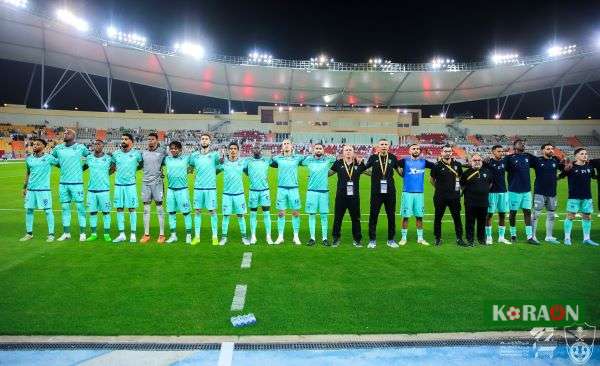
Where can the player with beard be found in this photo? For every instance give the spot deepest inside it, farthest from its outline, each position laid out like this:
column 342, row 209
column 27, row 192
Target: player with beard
column 258, row 173
column 127, row 161
column 579, row 175
column 233, row 200
column 412, row 169
column 100, row 167
column 70, row 156
column 153, row 186
column 546, row 169
column 288, row 196
column 205, row 164
column 36, row 189
column 317, row 195
column 519, row 189
column 178, row 195
column 498, row 197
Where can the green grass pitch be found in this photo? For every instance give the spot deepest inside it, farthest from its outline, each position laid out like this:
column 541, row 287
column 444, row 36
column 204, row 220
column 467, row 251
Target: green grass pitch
column 74, row 288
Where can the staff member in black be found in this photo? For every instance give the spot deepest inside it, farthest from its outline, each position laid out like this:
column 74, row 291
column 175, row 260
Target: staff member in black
column 383, row 192
column 445, row 177
column 348, row 171
column 476, row 182
column 596, row 165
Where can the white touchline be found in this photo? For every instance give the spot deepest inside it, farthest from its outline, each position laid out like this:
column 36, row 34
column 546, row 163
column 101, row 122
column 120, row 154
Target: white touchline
column 239, row 298
column 246, row 260
column 226, row 354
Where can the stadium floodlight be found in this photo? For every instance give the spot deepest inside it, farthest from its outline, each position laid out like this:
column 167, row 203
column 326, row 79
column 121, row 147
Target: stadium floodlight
column 65, row 16
column 290, row 108
column 256, row 57
column 443, row 115
column 380, row 64
column 231, row 111
column 194, row 50
column 497, row 116
column 398, row 110
column 112, row 109
column 16, row 3
column 318, row 109
column 280, row 109
column 321, row 61
column 442, row 63
column 503, row 59
column 45, row 106
column 554, row 116
column 368, row 109
column 129, row 38
column 404, row 111
column 556, row 50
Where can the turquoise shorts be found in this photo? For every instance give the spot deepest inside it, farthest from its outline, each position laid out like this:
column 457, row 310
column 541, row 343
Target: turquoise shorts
column 317, row 202
column 205, row 199
column 70, row 192
column 40, row 200
column 98, row 201
column 288, row 198
column 178, row 200
column 259, row 198
column 519, row 201
column 125, row 196
column 498, row 202
column 580, row 206
column 233, row 204
column 412, row 205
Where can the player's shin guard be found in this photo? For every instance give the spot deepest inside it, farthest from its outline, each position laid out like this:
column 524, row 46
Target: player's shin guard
column 225, row 225
column 550, row 224
column 161, row 219
column 296, row 224
column 29, row 221
column 568, row 227
column 213, row 224
column 172, row 222
column 93, row 221
column 197, row 223
column 242, row 224
column 253, row 222
column 146, row 219
column 133, row 221
column 66, row 216
column 106, row 222
column 280, row 225
column 50, row 220
column 267, row 220
column 187, row 221
column 324, row 225
column 121, row 221
column 81, row 216
column 312, row 223
column 586, row 225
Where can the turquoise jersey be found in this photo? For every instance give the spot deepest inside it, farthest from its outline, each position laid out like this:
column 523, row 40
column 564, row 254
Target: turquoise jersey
column 205, row 168
column 99, row 168
column 126, row 164
column 71, row 163
column 39, row 169
column 318, row 169
column 177, row 171
column 258, row 173
column 233, row 172
column 287, row 177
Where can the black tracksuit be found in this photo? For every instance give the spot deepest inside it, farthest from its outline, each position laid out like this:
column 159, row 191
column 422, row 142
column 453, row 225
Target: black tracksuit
column 476, row 187
column 596, row 165
column 344, row 201
column 447, row 194
column 376, row 162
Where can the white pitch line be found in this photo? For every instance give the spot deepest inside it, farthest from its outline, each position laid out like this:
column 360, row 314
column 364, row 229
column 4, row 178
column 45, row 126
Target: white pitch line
column 246, row 260
column 239, row 298
column 226, row 354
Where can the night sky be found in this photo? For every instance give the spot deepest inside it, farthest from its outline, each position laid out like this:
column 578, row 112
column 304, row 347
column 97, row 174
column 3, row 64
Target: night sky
column 351, row 31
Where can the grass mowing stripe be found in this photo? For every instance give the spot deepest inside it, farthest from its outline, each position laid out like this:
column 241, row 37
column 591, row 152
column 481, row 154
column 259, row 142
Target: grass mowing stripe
column 239, row 298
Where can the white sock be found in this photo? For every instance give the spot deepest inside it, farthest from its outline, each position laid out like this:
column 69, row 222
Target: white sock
column 161, row 219
column 146, row 219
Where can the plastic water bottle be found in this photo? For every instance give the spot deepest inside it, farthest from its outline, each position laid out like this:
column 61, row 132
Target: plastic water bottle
column 240, row 321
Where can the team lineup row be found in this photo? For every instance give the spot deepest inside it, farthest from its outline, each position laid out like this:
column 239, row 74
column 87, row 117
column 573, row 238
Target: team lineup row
column 482, row 182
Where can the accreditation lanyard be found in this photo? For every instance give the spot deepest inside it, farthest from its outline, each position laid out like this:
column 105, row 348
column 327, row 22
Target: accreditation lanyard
column 457, row 180
column 383, row 182
column 473, row 174
column 350, row 183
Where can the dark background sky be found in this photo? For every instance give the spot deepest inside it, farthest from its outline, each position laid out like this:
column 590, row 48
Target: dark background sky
column 352, row 31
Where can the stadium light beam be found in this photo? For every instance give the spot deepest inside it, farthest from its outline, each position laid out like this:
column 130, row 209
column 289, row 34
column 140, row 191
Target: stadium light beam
column 555, row 116
column 194, row 50
column 16, row 3
column 65, row 16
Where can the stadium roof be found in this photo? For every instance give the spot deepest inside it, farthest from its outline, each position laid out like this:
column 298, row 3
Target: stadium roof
column 29, row 37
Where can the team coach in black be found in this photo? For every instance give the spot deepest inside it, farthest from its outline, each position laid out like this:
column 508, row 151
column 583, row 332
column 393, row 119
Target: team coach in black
column 445, row 176
column 348, row 171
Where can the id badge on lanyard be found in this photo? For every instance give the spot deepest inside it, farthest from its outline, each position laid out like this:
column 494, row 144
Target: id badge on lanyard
column 383, row 184
column 350, row 189
column 457, row 185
